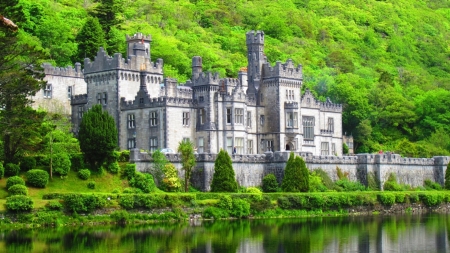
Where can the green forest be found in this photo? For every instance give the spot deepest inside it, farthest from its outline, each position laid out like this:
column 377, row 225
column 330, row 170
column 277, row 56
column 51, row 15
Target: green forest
column 387, row 62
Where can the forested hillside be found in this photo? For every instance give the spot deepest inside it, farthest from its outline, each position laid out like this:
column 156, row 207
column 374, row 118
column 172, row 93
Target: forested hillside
column 387, row 62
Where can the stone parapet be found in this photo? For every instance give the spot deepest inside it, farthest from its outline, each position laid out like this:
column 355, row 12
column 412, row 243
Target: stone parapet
column 69, row 71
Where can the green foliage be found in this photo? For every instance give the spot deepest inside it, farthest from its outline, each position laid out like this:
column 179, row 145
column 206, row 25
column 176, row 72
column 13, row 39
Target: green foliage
column 13, row 181
column 19, row 203
column 27, row 163
column 83, row 202
column 296, row 175
column 159, row 163
column 430, row 185
column 113, row 167
column 326, row 180
column 129, row 171
column 214, row 213
column 143, row 181
column 372, row 182
column 387, row 199
column 223, row 178
column 18, row 189
column 126, row 201
column 77, row 162
column 91, row 185
column 347, row 185
column 124, row 156
column 186, row 150
column 89, row 39
column 431, row 199
column 315, row 183
column 225, row 202
column 54, row 205
column 253, row 190
column 340, row 174
column 37, row 178
column 84, row 174
column 97, row 136
column 120, row 216
column 391, row 184
column 447, row 178
column 240, row 208
column 61, row 164
column 11, row 169
column 2, row 170
column 171, row 181
column 345, row 149
column 270, row 183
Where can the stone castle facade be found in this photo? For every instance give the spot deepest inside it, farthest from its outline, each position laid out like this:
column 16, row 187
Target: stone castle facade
column 261, row 110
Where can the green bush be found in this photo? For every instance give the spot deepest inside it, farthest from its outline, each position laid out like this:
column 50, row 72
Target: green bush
column 224, row 179
column 126, row 201
column 37, row 178
column 240, row 208
column 129, row 171
column 19, row 203
column 18, row 189
column 225, row 202
column 113, row 167
column 326, row 180
column 270, row 183
column 124, row 156
column 27, row 163
column 120, row 216
column 447, row 177
column 214, row 213
column 391, row 184
column 387, row 199
column 430, row 185
column 54, row 205
column 13, row 181
column 91, row 185
column 431, row 199
column 413, row 198
column 61, row 164
column 296, row 175
column 400, row 197
column 84, row 174
column 2, row 170
column 348, row 186
column 83, row 202
column 262, row 205
column 372, row 182
column 77, row 162
column 143, row 181
column 11, row 169
column 315, row 183
column 284, row 203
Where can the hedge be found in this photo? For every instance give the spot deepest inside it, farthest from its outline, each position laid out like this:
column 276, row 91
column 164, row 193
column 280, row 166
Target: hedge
column 19, row 203
column 37, row 178
column 13, row 181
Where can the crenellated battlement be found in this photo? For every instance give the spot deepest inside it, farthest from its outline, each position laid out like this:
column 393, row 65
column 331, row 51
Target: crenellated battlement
column 285, row 70
column 330, row 106
column 207, row 78
column 253, row 37
column 79, row 99
column 138, row 36
column 291, row 105
column 69, row 71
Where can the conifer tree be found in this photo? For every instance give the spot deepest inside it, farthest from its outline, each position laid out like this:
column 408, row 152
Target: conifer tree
column 224, row 178
column 447, row 177
column 97, row 136
column 296, row 175
column 186, row 149
column 304, row 174
column 90, row 38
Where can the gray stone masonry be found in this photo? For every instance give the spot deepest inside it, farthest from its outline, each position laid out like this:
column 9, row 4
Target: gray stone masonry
column 251, row 169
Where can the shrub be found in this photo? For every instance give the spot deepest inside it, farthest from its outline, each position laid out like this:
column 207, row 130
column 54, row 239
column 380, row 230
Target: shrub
column 315, row 183
column 387, row 199
column 430, row 185
column 129, row 171
column 431, row 199
column 120, row 216
column 61, row 164
column 54, row 205
column 284, row 203
column 391, row 184
column 19, row 203
column 214, row 213
column 253, row 190
column 372, row 182
column 11, row 169
column 340, row 174
column 126, row 201
column 84, row 174
column 270, row 183
column 91, row 185
column 296, row 175
column 124, row 156
column 37, row 178
column 27, row 163
column 13, row 181
column 347, row 186
column 83, row 202
column 2, row 170
column 77, row 162
column 240, row 208
column 400, row 198
column 447, row 177
column 113, row 167
column 326, row 180
column 413, row 198
column 171, row 182
column 225, row 202
column 224, row 178
column 18, row 189
column 143, row 181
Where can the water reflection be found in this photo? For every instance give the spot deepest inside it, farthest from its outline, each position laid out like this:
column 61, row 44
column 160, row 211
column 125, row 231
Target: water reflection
column 408, row 233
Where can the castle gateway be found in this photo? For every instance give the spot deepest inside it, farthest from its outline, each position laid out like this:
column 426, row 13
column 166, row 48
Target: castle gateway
column 262, row 110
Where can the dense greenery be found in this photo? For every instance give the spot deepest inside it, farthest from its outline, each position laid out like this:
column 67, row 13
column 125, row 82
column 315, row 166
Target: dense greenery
column 186, row 150
column 296, row 175
column 447, row 178
column 37, row 178
column 224, row 179
column 14, row 181
column 270, row 183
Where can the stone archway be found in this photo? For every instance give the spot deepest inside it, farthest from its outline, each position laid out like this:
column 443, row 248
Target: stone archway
column 288, row 148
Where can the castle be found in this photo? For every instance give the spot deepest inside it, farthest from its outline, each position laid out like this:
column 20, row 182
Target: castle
column 262, row 110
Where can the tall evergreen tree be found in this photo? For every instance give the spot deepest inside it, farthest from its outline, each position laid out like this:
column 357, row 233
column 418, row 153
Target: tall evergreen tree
column 108, row 13
column 296, row 175
column 447, row 177
column 97, row 136
column 90, row 38
column 186, row 149
column 304, row 174
column 224, row 179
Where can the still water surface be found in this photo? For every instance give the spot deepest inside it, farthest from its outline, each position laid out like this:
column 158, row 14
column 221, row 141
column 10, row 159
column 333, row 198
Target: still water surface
column 406, row 233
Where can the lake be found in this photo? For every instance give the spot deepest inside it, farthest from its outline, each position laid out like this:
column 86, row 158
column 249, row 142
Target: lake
column 406, row 233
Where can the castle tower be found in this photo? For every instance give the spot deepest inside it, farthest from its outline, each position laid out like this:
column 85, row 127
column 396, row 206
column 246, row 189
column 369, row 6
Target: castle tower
column 196, row 67
column 256, row 58
column 138, row 45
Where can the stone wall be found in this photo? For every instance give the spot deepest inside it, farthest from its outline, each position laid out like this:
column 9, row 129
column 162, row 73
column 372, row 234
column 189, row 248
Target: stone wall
column 250, row 169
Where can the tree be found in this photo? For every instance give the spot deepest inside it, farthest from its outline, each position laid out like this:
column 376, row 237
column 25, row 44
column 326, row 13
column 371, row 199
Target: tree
column 224, row 179
column 159, row 163
column 108, row 14
column 171, row 182
column 186, row 149
column 90, row 38
column 447, row 177
column 296, row 175
column 97, row 136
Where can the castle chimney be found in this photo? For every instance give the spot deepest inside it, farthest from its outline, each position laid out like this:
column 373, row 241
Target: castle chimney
column 196, row 67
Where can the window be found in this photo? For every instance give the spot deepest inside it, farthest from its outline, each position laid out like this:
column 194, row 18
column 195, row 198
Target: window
column 48, row 91
column 291, row 120
column 200, row 145
column 249, row 146
column 324, row 148
column 99, row 98
column 131, row 121
column 202, row 116
column 201, row 99
column 290, row 95
column 350, row 144
column 239, row 116
column 308, row 128
column 333, row 148
column 270, row 145
column 141, row 101
column 185, row 118
column 230, row 145
column 69, row 92
column 153, row 144
column 331, row 124
column 105, row 98
column 131, row 143
column 228, row 115
column 261, row 100
column 261, row 120
column 249, row 119
column 239, row 144
column 153, row 118
column 80, row 112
